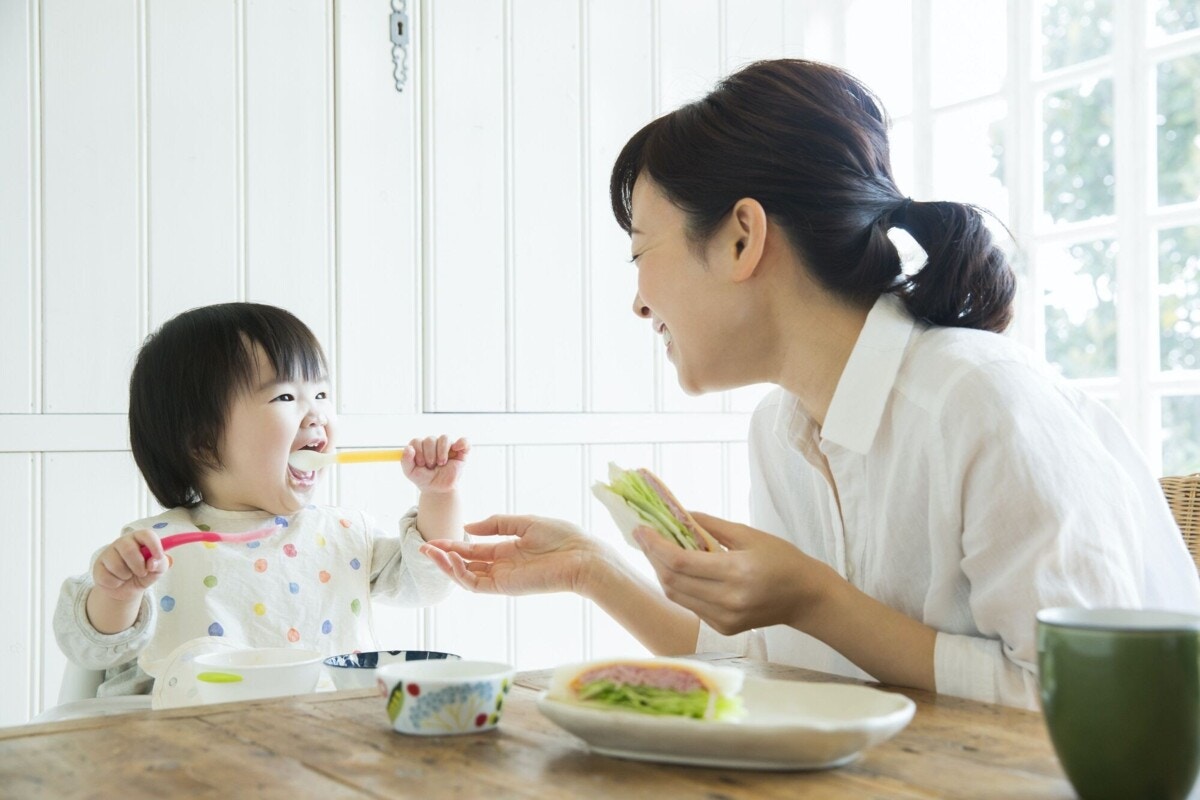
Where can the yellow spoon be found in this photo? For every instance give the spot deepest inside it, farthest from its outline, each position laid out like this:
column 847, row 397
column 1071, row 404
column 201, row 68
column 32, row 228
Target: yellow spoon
column 309, row 460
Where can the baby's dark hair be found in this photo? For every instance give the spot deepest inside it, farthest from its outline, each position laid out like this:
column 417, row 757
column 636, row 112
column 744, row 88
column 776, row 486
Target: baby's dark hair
column 186, row 377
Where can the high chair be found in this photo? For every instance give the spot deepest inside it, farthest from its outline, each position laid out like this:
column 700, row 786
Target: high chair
column 79, row 683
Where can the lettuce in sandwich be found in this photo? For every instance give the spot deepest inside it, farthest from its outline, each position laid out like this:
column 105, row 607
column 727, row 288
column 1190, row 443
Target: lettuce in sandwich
column 636, row 497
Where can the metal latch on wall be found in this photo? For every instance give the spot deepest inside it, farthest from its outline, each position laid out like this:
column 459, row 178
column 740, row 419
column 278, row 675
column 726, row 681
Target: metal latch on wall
column 399, row 29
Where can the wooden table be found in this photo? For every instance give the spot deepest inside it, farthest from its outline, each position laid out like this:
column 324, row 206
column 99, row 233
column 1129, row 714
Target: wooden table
column 340, row 745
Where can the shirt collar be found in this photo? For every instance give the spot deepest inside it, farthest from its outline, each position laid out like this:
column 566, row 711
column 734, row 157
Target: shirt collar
column 866, row 383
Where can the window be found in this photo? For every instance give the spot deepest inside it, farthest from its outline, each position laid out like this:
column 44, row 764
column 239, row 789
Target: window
column 1076, row 122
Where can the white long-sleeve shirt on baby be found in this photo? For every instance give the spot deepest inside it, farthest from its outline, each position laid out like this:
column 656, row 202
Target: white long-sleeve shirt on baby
column 308, row 585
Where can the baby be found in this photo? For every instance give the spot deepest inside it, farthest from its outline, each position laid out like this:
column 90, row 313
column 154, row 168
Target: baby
column 219, row 398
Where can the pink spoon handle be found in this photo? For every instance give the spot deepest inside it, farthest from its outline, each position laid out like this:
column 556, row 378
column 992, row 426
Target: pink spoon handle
column 176, row 539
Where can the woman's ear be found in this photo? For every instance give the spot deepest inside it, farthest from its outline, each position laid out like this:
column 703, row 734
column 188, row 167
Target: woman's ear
column 748, row 223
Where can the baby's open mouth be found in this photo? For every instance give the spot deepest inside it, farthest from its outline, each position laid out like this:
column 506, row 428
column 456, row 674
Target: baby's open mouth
column 302, row 476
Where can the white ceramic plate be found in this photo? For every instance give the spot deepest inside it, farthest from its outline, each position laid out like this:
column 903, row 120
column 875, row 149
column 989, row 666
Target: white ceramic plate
column 788, row 725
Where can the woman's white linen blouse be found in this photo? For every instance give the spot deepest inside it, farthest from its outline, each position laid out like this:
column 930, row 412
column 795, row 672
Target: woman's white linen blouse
column 968, row 486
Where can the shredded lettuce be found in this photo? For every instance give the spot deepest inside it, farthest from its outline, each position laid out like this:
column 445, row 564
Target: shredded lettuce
column 662, row 702
column 637, row 494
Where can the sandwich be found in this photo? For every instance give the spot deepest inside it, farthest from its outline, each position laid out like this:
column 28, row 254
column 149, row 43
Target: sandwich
column 637, row 497
column 661, row 686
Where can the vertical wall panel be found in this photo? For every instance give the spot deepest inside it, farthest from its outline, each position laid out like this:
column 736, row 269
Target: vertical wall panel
column 192, row 123
column 608, row 639
column 754, row 29
column 382, row 491
column 16, row 587
column 547, row 324
column 548, row 629
column 478, row 625
column 695, row 473
column 824, row 26
column 289, row 197
column 689, row 40
column 379, row 216
column 91, row 249
column 467, row 160
column 88, row 498
column 619, row 100
column 17, row 127
column 795, row 27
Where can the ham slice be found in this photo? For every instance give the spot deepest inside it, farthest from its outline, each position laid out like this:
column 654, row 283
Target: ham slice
column 659, row 676
column 572, row 683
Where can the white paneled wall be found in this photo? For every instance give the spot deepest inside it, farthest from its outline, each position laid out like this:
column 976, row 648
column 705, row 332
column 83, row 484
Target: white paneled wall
column 378, row 224
column 92, row 180
column 20, row 145
column 467, row 95
column 619, row 92
column 452, row 246
column 194, row 236
column 19, row 572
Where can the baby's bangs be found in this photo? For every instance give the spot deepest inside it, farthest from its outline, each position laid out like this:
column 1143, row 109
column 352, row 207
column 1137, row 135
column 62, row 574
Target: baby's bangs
column 293, row 352
column 288, row 345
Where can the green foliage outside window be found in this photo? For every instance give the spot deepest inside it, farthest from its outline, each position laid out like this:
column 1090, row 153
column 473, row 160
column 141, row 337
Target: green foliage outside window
column 1079, row 183
column 1177, row 16
column 1081, row 329
column 1179, row 297
column 1181, row 441
column 1178, row 130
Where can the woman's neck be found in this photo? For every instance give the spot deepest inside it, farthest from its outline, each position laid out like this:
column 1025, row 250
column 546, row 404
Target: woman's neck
column 816, row 335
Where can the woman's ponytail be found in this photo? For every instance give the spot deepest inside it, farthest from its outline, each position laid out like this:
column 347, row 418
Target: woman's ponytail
column 966, row 281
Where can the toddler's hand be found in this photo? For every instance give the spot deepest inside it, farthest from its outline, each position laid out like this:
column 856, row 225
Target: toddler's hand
column 121, row 573
column 434, row 464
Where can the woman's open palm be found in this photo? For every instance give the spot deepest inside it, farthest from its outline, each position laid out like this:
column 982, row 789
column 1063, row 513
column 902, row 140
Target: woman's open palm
column 543, row 555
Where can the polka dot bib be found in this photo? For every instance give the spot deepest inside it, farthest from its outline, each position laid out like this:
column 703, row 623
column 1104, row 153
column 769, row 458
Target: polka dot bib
column 307, row 585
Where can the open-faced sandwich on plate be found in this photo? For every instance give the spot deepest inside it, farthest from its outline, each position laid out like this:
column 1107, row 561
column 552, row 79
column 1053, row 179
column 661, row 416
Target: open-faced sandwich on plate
column 661, row 686
column 637, row 497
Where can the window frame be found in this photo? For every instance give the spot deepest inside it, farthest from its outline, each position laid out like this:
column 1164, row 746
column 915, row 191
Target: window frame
column 1140, row 385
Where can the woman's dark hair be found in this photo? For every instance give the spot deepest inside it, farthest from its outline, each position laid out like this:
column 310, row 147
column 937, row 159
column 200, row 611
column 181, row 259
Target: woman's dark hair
column 809, row 142
column 186, row 377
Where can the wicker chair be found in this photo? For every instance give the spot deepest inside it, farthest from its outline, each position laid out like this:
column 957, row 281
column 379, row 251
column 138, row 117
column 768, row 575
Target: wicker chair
column 1183, row 496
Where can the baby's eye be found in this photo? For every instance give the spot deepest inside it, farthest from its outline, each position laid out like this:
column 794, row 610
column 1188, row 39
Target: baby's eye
column 322, row 395
column 285, row 397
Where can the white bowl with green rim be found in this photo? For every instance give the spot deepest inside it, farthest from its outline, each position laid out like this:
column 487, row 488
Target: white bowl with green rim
column 256, row 673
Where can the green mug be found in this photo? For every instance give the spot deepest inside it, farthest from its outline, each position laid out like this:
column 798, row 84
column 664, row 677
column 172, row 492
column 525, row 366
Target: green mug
column 1120, row 690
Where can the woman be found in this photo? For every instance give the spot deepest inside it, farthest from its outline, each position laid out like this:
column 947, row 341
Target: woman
column 921, row 485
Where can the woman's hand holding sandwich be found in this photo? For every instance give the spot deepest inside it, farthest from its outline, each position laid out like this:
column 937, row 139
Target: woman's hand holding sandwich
column 761, row 580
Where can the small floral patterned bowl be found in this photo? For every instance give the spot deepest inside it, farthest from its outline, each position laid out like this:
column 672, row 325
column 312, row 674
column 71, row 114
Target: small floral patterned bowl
column 436, row 698
column 357, row 670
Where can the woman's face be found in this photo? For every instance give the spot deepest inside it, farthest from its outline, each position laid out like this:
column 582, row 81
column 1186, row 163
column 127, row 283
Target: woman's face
column 265, row 425
column 691, row 302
